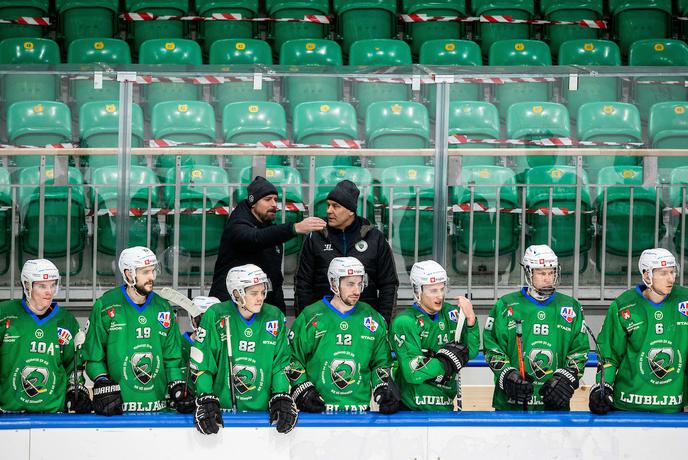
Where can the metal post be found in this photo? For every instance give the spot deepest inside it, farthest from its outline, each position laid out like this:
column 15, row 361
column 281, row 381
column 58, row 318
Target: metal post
column 126, row 86
column 577, row 225
column 603, row 250
column 498, row 217
column 69, row 242
column 203, row 230
column 311, row 186
column 471, row 218
column 683, row 234
column 94, row 251
column 630, row 240
column 439, row 247
column 416, row 230
column 176, row 219
column 41, row 207
column 14, row 235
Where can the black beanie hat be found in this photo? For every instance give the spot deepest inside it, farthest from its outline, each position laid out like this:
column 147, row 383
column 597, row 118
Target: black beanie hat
column 259, row 188
column 346, row 194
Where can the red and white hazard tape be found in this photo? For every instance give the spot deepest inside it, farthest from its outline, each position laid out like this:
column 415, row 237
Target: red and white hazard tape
column 47, row 146
column 589, row 23
column 143, row 16
column 478, row 207
column 280, row 144
column 203, row 80
column 218, row 210
column 547, row 142
column 27, row 21
column 431, row 80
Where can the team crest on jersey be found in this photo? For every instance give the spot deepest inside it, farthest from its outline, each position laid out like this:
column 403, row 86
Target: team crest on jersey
column 272, row 327
column 165, row 318
column 661, row 361
column 111, row 313
column 683, row 308
column 143, row 366
column 244, row 378
column 370, row 323
column 63, row 336
column 541, row 362
column 626, row 314
column 34, row 380
column 568, row 314
column 342, row 372
column 454, row 316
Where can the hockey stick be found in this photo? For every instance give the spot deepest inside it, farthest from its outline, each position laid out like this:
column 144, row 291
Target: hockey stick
column 521, row 364
column 79, row 339
column 229, row 358
column 177, row 298
column 600, row 358
column 457, row 337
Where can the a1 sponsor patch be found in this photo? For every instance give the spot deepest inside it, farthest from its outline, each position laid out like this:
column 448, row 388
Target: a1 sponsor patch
column 454, row 316
column 63, row 336
column 568, row 313
column 272, row 327
column 165, row 319
column 683, row 308
column 370, row 323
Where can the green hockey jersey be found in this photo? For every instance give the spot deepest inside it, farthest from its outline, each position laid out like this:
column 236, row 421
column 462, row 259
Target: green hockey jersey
column 645, row 346
column 260, row 356
column 36, row 357
column 138, row 346
column 415, row 337
column 553, row 337
column 345, row 355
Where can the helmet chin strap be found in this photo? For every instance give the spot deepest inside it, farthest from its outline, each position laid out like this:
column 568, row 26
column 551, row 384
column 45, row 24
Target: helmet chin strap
column 540, row 294
column 140, row 291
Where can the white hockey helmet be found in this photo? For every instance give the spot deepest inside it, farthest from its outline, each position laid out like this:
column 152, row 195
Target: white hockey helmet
column 38, row 270
column 541, row 256
column 426, row 272
column 243, row 276
column 204, row 302
column 341, row 267
column 655, row 258
column 136, row 257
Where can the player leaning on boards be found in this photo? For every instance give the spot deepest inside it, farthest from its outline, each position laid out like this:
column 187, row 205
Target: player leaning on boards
column 243, row 341
column 38, row 348
column 644, row 342
column 554, row 342
column 202, row 304
column 340, row 349
column 423, row 338
column 132, row 349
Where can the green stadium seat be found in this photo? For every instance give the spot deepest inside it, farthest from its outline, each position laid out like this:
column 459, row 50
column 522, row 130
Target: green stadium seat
column 38, row 123
column 212, row 31
column 450, row 53
column 634, row 20
column 288, row 183
column 251, row 122
column 538, row 120
column 323, row 122
column 379, row 52
column 397, row 125
column 86, row 18
column 171, row 52
column 421, row 32
column 608, row 122
column 237, row 51
column 477, row 120
column 668, row 129
column 310, row 53
column 657, row 53
column 326, row 177
column 559, row 183
column 520, row 53
column 5, row 218
column 99, row 127
column 142, row 183
column 590, row 89
column 141, row 31
column 364, row 19
column 679, row 183
column 399, row 187
column 55, row 240
column 282, row 32
column 572, row 11
column 487, row 181
column 12, row 9
column 101, row 51
column 183, row 121
column 29, row 87
column 197, row 180
column 489, row 33
column 618, row 212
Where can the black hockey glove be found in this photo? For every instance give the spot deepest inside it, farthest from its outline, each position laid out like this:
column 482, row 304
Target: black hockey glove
column 453, row 357
column 558, row 390
column 181, row 397
column 601, row 399
column 107, row 398
column 388, row 397
column 283, row 412
column 307, row 398
column 208, row 415
column 78, row 400
column 515, row 387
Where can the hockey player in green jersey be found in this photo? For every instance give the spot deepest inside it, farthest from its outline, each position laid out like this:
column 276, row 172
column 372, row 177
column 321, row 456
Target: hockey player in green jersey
column 644, row 342
column 554, row 341
column 38, row 348
column 340, row 349
column 243, row 340
column 423, row 338
column 202, row 303
column 132, row 349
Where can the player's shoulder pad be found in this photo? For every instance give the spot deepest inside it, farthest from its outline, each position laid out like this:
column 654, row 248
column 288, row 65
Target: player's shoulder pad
column 272, row 312
column 568, row 300
column 406, row 319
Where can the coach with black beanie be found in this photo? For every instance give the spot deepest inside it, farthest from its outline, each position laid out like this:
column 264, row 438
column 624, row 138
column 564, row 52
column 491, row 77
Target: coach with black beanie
column 250, row 237
column 346, row 234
